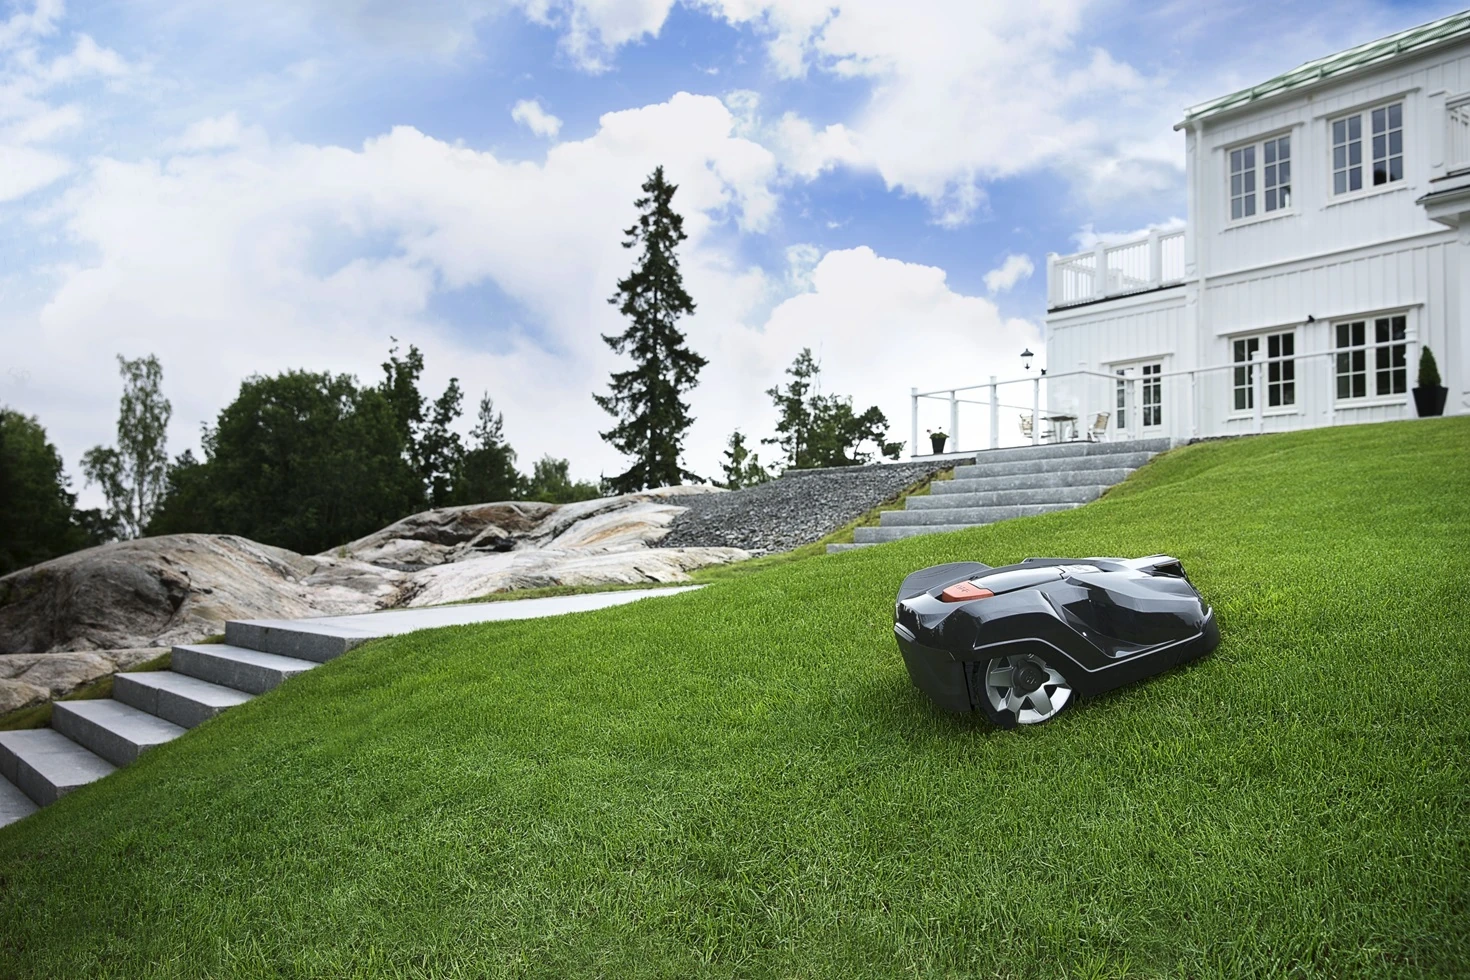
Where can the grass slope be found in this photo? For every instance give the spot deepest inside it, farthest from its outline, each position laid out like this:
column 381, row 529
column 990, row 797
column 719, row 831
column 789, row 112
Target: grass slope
column 742, row 782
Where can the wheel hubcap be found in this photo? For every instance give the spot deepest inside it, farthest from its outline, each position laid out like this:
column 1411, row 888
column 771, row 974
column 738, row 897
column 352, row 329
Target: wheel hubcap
column 1024, row 684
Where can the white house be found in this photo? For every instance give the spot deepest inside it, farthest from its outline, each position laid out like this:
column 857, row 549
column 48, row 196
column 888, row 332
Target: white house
column 1324, row 247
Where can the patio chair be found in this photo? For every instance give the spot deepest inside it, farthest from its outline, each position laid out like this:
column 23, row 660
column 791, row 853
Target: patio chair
column 1046, row 434
column 1099, row 427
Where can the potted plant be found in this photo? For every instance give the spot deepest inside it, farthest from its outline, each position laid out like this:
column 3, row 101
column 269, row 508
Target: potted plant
column 938, row 436
column 1429, row 397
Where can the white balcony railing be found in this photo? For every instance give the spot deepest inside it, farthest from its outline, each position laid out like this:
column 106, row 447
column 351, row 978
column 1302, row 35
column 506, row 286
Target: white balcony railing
column 1115, row 270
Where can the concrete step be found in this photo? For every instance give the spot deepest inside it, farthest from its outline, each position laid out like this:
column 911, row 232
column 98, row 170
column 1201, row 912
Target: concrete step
column 878, row 535
column 833, row 549
column 303, row 640
column 1074, row 463
column 244, row 670
column 990, row 498
column 1065, row 450
column 118, row 732
column 1031, row 481
column 14, row 805
column 47, row 765
column 967, row 516
column 175, row 697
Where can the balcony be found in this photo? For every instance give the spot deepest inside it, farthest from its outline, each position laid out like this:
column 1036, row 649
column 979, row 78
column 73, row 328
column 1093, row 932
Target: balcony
column 1115, row 270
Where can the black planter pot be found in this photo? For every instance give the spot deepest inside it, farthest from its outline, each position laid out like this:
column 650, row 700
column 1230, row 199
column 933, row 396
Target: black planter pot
column 937, row 442
column 1430, row 401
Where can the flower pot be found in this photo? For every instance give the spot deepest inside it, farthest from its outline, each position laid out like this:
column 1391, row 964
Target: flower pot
column 1430, row 401
column 936, row 440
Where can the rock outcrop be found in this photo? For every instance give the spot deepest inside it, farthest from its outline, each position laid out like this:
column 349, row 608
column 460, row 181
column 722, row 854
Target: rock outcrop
column 156, row 592
column 33, row 678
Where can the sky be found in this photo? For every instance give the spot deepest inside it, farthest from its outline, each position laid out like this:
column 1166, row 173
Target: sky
column 245, row 189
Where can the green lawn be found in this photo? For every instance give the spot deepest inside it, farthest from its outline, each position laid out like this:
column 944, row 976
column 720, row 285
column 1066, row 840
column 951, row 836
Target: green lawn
column 741, row 782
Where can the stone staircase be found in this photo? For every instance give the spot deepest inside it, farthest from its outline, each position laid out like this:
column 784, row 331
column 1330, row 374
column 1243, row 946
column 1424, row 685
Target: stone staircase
column 1006, row 483
column 89, row 739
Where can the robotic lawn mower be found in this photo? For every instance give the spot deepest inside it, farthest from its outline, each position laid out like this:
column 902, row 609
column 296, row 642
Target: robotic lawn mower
column 1019, row 642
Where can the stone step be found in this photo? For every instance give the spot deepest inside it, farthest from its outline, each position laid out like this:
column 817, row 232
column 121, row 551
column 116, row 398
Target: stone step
column 1030, row 481
column 1073, row 450
column 14, row 805
column 966, row 516
column 303, row 640
column 117, row 732
column 244, row 670
column 47, row 765
column 175, row 697
column 989, row 498
column 833, row 549
column 879, row 535
column 1074, row 463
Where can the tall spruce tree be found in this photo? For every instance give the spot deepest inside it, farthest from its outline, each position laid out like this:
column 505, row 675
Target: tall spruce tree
column 653, row 417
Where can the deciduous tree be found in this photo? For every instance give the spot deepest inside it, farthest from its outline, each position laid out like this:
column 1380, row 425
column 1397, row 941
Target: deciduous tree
column 132, row 474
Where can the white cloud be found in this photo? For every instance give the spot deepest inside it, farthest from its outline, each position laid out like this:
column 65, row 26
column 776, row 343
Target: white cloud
column 592, row 30
column 23, row 169
column 1011, row 271
column 267, row 256
column 962, row 93
column 217, row 133
column 27, row 116
column 531, row 114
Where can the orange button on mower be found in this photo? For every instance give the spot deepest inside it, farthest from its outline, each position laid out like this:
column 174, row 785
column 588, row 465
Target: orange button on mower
column 964, row 592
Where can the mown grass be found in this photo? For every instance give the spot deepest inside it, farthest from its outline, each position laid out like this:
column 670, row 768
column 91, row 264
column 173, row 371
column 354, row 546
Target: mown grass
column 741, row 782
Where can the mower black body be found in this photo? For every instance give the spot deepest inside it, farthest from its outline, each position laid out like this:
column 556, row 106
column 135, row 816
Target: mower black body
column 1100, row 622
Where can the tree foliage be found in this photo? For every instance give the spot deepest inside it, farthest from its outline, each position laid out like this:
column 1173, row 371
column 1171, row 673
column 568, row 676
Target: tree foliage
column 742, row 467
column 647, row 399
column 822, row 430
column 302, row 460
column 551, row 483
column 133, row 474
column 486, row 472
column 40, row 519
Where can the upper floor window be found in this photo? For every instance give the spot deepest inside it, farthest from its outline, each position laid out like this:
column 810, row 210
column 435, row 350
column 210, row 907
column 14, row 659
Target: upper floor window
column 1260, row 170
column 1385, row 129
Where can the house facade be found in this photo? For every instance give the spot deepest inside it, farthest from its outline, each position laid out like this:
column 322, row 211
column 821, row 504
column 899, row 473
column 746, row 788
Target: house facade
column 1327, row 242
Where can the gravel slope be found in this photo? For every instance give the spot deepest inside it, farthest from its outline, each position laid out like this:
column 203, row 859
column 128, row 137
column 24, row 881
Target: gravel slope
column 797, row 509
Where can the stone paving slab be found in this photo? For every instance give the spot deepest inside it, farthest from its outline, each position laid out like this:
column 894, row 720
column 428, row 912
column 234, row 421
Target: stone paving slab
column 392, row 622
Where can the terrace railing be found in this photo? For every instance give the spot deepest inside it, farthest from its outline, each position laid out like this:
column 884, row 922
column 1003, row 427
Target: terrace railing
column 1115, row 270
column 1301, row 391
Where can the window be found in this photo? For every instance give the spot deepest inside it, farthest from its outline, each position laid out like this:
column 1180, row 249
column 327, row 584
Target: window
column 1243, row 182
column 1122, row 402
column 1280, row 371
column 1274, row 158
column 1372, row 357
column 1386, row 129
column 1153, row 395
column 1277, row 181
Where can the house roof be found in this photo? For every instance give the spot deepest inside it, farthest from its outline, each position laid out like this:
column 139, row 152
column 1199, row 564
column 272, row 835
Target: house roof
column 1362, row 56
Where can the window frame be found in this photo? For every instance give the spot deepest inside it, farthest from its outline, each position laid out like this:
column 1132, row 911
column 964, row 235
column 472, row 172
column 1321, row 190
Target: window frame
column 1364, row 115
column 1372, row 350
column 1256, row 146
column 1284, row 364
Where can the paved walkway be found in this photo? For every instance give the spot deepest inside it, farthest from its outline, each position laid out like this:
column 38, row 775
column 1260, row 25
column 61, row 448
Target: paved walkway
column 392, row 622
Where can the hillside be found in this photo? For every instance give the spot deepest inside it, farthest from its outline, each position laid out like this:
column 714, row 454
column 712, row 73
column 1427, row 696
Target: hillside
column 741, row 781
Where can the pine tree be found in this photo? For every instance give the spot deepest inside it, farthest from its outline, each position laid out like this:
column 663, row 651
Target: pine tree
column 742, row 467
column 646, row 399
